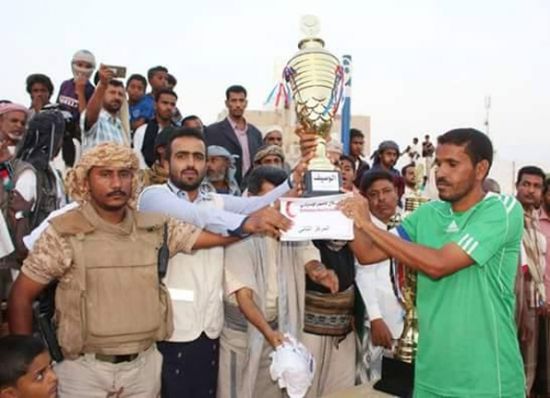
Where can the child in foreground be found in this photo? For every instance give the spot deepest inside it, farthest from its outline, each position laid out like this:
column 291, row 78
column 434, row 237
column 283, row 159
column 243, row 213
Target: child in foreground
column 26, row 370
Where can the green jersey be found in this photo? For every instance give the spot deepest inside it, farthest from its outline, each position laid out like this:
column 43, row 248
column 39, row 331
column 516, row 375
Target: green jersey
column 468, row 343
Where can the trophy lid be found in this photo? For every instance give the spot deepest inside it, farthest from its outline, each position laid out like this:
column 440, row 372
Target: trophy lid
column 310, row 27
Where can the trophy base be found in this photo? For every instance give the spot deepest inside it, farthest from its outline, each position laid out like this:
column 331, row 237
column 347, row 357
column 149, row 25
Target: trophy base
column 397, row 378
column 322, row 182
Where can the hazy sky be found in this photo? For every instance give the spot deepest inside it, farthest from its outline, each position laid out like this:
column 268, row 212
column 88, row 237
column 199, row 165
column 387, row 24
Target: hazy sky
column 419, row 66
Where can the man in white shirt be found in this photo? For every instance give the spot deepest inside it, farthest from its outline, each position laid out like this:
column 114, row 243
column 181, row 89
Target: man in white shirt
column 39, row 185
column 190, row 367
column 409, row 176
column 13, row 119
column 36, row 188
column 264, row 287
column 413, row 150
column 384, row 321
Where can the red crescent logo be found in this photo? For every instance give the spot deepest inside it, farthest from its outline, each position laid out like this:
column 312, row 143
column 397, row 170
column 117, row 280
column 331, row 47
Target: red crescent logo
column 287, row 209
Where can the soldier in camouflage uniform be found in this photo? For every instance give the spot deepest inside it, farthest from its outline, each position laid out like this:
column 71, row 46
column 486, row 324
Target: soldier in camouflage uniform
column 110, row 304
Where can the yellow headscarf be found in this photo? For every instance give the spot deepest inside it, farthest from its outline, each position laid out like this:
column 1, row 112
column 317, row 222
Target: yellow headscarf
column 106, row 154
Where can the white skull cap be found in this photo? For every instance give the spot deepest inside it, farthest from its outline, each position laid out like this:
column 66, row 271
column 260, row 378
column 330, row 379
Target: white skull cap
column 84, row 55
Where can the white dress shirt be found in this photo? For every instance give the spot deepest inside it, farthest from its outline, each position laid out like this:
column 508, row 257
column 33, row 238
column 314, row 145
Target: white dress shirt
column 375, row 285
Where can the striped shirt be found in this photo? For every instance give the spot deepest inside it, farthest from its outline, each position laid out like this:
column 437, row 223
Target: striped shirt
column 106, row 128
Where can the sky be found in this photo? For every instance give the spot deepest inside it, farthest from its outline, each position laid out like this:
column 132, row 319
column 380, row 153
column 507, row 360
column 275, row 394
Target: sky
column 419, row 66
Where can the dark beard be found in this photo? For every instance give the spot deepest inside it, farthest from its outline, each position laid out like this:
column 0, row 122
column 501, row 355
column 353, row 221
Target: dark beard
column 112, row 108
column 186, row 187
column 458, row 195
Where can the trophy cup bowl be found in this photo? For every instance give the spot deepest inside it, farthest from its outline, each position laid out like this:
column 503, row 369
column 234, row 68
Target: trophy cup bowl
column 414, row 202
column 315, row 77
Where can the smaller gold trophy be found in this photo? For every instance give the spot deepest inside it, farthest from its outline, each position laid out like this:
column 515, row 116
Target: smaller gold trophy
column 405, row 282
column 407, row 343
column 315, row 77
column 398, row 372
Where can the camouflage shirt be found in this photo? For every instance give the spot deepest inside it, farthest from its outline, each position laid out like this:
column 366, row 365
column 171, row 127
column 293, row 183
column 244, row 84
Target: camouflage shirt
column 51, row 257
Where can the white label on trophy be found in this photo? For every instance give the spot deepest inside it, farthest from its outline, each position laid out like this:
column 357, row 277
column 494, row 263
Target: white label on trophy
column 316, row 218
column 325, row 181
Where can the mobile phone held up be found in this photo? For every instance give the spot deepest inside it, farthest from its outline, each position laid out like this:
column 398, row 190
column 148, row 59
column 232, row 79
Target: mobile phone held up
column 119, row 71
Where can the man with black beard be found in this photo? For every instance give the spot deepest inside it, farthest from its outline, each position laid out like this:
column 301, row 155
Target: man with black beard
column 465, row 249
column 190, row 367
column 101, row 120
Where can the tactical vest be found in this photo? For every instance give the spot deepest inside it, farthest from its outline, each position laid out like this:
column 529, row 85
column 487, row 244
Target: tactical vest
column 111, row 301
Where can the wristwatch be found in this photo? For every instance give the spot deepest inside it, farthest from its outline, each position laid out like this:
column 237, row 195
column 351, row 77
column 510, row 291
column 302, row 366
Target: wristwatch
column 22, row 214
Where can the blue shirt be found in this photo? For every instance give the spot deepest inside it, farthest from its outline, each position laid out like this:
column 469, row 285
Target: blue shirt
column 143, row 109
column 175, row 203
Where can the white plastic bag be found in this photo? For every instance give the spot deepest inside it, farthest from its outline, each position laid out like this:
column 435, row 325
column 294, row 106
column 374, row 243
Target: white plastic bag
column 293, row 367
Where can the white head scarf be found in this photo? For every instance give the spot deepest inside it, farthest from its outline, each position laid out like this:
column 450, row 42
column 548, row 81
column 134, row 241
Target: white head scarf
column 85, row 56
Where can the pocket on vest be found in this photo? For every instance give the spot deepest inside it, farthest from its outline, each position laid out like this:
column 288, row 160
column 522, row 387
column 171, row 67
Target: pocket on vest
column 70, row 332
column 122, row 301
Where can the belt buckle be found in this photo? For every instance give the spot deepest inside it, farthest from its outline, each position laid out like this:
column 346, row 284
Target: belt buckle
column 115, row 359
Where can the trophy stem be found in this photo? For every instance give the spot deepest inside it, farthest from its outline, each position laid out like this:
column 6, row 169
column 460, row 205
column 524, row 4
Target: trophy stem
column 407, row 343
column 320, row 160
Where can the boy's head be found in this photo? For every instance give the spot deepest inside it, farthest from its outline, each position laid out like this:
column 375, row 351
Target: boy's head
column 136, row 86
column 357, row 142
column 171, row 81
column 157, row 78
column 26, row 370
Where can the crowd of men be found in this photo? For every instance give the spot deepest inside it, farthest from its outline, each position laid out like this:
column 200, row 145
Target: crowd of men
column 140, row 254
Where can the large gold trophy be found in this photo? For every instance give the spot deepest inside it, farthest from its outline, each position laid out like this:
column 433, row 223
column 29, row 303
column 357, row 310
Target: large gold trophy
column 398, row 372
column 315, row 77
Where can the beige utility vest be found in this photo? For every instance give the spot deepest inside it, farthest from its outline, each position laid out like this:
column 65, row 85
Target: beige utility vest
column 195, row 283
column 110, row 301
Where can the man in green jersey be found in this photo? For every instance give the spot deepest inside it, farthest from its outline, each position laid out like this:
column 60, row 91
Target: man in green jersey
column 465, row 247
